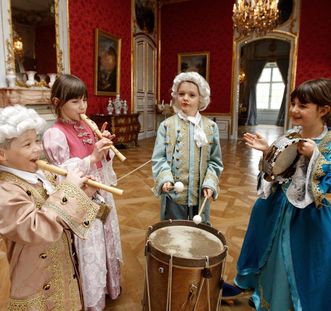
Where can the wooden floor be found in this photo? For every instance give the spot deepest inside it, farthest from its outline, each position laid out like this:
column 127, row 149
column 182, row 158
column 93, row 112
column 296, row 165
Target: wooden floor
column 138, row 208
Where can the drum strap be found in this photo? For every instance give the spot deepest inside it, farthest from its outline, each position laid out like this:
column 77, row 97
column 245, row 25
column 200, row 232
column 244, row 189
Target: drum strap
column 168, row 308
column 205, row 276
column 147, row 279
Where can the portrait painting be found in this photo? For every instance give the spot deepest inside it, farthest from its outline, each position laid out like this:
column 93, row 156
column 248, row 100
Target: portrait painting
column 197, row 61
column 107, row 63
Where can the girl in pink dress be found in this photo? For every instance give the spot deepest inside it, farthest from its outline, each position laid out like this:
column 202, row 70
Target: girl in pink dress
column 70, row 143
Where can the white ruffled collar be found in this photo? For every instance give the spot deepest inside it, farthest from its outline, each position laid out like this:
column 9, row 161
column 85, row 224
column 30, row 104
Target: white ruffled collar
column 199, row 136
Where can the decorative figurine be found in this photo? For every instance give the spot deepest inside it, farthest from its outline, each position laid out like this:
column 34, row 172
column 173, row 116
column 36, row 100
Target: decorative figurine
column 110, row 107
column 118, row 104
column 125, row 107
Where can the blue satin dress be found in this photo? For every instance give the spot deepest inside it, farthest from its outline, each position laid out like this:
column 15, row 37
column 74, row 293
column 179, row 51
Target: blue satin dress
column 286, row 254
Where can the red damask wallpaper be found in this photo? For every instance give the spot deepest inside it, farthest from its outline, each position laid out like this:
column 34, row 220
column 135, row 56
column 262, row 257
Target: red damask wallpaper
column 198, row 26
column 186, row 27
column 314, row 55
column 112, row 16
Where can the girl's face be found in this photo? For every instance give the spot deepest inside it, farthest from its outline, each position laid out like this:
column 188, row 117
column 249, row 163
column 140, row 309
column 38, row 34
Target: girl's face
column 72, row 109
column 309, row 115
column 188, row 98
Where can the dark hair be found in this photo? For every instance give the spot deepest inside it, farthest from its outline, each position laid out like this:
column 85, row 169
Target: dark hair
column 317, row 91
column 66, row 87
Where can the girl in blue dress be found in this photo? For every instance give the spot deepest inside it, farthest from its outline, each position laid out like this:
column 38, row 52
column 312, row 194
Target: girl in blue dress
column 286, row 254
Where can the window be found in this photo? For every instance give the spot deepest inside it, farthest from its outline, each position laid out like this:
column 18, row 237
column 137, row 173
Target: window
column 270, row 88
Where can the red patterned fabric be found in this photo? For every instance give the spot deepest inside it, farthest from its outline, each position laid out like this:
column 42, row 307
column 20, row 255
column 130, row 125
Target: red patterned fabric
column 314, row 55
column 197, row 26
column 188, row 27
column 112, row 16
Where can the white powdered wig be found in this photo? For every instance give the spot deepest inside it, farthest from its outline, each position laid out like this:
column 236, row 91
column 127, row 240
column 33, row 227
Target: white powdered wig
column 199, row 81
column 15, row 120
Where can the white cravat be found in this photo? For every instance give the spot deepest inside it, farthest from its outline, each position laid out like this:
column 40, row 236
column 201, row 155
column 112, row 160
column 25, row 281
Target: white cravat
column 32, row 178
column 199, row 136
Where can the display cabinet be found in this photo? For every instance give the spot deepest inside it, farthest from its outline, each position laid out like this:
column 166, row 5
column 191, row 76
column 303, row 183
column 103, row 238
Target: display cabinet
column 126, row 127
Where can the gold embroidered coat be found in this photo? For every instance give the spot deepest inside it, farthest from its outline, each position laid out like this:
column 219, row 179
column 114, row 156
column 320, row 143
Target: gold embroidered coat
column 38, row 231
column 177, row 158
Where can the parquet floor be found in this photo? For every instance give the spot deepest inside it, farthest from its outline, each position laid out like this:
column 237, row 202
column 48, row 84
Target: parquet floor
column 138, row 208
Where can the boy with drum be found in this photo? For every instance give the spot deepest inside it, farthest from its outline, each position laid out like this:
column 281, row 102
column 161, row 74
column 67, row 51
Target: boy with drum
column 187, row 149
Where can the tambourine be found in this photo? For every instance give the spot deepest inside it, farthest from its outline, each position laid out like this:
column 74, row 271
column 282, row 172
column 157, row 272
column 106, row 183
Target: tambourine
column 281, row 157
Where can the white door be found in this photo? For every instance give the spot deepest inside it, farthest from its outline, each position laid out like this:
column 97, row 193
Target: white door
column 145, row 84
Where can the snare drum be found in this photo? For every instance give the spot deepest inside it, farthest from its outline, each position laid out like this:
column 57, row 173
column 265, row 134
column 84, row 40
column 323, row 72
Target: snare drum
column 184, row 267
column 282, row 155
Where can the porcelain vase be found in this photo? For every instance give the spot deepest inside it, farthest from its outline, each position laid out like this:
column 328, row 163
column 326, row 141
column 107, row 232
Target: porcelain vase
column 11, row 78
column 52, row 78
column 30, row 81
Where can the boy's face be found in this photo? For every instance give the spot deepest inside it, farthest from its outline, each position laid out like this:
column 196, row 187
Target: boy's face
column 23, row 152
column 188, row 98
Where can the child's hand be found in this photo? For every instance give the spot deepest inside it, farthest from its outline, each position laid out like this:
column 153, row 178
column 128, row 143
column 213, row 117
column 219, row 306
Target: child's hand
column 256, row 141
column 76, row 177
column 207, row 193
column 100, row 149
column 306, row 147
column 106, row 133
column 90, row 191
column 167, row 186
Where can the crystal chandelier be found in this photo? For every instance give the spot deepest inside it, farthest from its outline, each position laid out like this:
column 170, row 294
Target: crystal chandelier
column 255, row 16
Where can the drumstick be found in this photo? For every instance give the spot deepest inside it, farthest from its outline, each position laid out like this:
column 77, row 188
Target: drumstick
column 197, row 218
column 99, row 134
column 60, row 171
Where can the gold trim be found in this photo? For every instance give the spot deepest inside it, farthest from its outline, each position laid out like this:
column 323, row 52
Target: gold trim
column 10, row 61
column 68, row 36
column 237, row 44
column 59, row 53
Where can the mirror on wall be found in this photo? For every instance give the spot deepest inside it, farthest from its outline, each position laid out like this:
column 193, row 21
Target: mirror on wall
column 34, row 38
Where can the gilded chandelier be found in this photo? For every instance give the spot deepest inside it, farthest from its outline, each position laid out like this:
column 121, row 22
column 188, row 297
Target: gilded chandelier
column 255, row 16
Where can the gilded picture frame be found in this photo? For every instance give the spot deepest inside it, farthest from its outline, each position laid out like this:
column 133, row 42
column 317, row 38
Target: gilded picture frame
column 107, row 64
column 197, row 61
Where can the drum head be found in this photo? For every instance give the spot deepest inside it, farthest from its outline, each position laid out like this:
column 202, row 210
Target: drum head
column 285, row 159
column 186, row 242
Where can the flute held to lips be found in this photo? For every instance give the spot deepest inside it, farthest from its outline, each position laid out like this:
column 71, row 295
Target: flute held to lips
column 99, row 134
column 60, row 171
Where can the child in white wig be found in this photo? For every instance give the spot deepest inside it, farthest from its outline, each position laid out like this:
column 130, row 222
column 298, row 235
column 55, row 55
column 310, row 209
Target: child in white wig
column 38, row 218
column 187, row 149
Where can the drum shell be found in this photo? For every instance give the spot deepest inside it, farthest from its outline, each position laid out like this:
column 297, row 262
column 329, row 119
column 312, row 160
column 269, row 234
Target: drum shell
column 186, row 273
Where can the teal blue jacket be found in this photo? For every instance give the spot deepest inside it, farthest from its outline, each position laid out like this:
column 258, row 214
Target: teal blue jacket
column 176, row 157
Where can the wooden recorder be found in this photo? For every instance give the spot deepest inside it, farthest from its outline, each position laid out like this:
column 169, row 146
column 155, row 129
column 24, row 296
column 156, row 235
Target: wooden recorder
column 99, row 134
column 60, row 171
